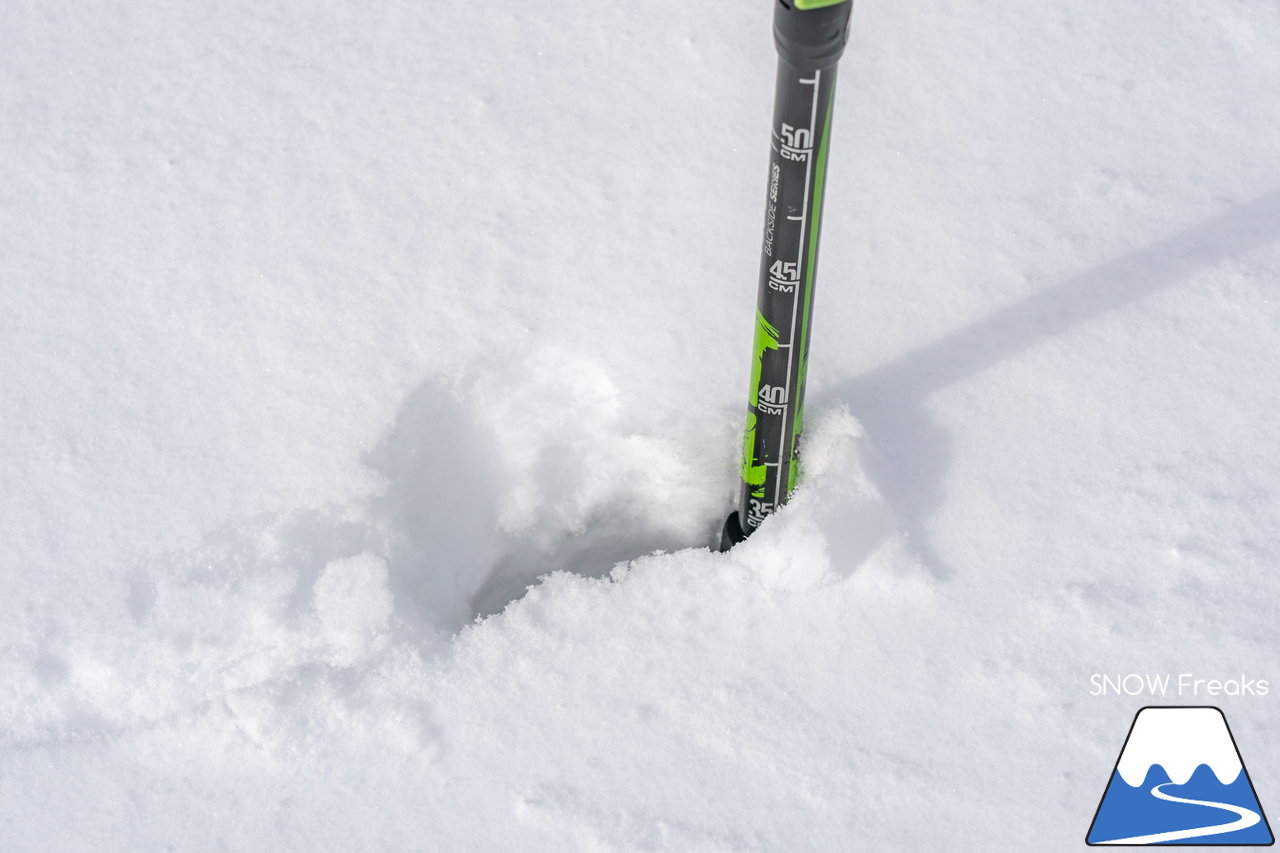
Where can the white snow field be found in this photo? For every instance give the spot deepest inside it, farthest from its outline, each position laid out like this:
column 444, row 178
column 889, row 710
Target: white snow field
column 326, row 328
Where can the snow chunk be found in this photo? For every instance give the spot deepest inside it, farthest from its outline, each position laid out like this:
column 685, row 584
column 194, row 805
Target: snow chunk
column 835, row 519
column 354, row 605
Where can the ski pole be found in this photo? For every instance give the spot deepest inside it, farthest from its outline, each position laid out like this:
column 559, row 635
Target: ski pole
column 810, row 36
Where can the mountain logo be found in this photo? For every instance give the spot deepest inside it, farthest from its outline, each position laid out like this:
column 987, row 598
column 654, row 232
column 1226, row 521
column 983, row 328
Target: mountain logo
column 1179, row 780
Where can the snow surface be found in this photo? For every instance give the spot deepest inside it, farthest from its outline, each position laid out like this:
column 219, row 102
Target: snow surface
column 329, row 327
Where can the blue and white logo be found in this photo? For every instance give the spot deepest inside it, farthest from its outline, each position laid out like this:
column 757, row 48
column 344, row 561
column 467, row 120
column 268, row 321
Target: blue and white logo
column 1180, row 780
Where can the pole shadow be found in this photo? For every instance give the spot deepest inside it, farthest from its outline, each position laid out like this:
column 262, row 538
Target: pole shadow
column 914, row 452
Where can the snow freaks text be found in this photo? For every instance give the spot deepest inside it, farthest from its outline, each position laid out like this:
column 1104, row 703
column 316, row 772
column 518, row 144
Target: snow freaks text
column 1167, row 684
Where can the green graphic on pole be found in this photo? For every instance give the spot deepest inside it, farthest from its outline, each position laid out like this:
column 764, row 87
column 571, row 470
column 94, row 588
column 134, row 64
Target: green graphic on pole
column 810, row 36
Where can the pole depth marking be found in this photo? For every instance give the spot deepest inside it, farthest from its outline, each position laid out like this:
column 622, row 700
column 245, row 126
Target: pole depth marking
column 789, row 411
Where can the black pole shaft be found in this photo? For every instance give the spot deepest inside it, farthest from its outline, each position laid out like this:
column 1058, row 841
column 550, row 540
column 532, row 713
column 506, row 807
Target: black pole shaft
column 810, row 41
